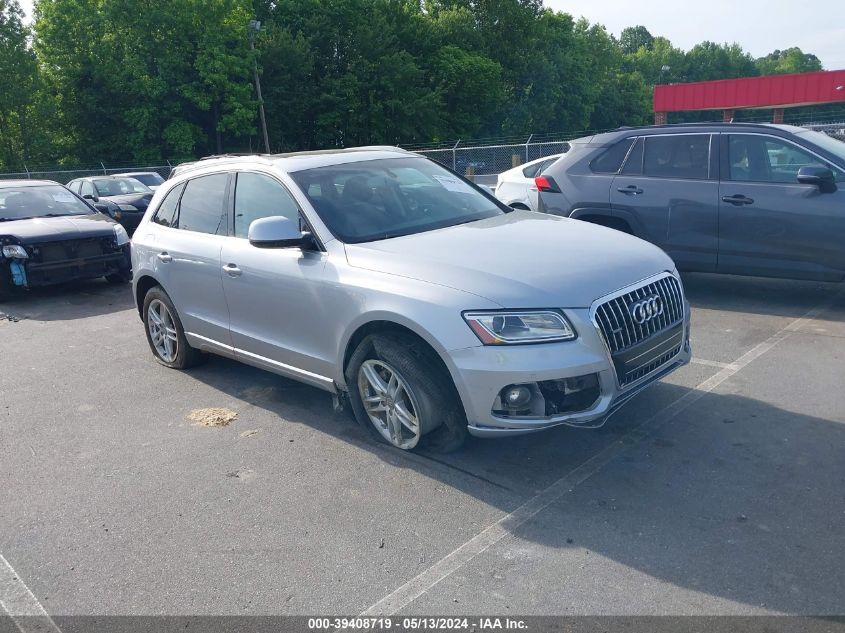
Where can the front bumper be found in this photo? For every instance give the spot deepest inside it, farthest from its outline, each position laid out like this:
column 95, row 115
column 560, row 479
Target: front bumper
column 31, row 274
column 481, row 373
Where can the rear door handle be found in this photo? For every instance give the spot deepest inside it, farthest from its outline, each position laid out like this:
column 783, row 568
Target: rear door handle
column 632, row 190
column 232, row 270
column 737, row 200
column 165, row 257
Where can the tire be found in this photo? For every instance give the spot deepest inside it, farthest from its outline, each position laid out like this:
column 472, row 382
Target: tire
column 426, row 392
column 177, row 353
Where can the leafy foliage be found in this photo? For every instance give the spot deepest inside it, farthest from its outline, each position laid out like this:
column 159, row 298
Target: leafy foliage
column 139, row 80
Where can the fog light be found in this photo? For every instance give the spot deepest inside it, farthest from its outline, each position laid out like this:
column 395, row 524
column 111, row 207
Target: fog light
column 515, row 396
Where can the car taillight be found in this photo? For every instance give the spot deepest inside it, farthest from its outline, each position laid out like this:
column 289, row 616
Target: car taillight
column 546, row 183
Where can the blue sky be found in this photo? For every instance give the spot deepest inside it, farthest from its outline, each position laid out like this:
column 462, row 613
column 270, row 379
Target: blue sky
column 760, row 26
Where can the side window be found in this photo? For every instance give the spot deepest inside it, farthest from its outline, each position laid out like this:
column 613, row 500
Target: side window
column 73, row 185
column 87, row 189
column 201, row 207
column 766, row 159
column 258, row 196
column 533, row 170
column 677, row 156
column 166, row 214
column 611, row 160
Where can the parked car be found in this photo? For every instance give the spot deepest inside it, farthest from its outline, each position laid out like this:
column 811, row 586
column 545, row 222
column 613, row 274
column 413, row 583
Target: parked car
column 152, row 179
column 516, row 187
column 123, row 199
column 49, row 235
column 383, row 278
column 747, row 199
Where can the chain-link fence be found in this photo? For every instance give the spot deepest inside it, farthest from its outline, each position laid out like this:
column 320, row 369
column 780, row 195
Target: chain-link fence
column 836, row 130
column 66, row 175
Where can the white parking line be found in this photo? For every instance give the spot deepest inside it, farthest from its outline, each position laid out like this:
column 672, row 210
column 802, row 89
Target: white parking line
column 18, row 602
column 711, row 363
column 453, row 561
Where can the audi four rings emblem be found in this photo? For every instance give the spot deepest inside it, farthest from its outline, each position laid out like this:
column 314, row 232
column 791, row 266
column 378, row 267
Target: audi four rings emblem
column 646, row 309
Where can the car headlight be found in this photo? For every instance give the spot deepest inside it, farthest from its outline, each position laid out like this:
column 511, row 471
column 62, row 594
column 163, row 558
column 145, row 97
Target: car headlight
column 120, row 235
column 127, row 207
column 15, row 251
column 509, row 327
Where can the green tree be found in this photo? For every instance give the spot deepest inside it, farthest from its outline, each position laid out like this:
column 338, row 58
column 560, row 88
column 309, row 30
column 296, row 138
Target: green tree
column 18, row 84
column 791, row 60
column 141, row 82
column 634, row 38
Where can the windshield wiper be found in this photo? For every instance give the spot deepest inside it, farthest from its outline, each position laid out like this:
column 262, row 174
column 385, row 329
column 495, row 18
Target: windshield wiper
column 13, row 219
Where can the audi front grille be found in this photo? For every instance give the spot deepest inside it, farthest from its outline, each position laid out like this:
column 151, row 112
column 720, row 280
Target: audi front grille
column 643, row 328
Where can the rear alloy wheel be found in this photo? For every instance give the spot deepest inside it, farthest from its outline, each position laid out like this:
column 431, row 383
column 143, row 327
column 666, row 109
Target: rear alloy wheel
column 165, row 333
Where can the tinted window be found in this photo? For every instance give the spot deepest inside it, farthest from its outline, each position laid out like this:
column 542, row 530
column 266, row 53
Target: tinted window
column 166, row 213
column 611, row 160
column 120, row 186
column 677, row 156
column 765, row 159
column 378, row 199
column 533, row 170
column 201, row 207
column 258, row 196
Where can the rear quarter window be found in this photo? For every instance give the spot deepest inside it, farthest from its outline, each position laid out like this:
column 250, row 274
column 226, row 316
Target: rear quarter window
column 610, row 161
column 201, row 208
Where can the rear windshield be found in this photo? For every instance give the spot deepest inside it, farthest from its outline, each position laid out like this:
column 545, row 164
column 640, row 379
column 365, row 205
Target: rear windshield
column 22, row 203
column 378, row 199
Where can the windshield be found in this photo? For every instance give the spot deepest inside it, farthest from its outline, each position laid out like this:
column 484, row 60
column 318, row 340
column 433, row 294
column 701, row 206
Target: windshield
column 120, row 186
column 832, row 145
column 21, row 203
column 149, row 179
column 378, row 199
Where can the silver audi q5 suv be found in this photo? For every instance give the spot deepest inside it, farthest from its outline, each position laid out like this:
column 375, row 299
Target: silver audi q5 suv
column 416, row 298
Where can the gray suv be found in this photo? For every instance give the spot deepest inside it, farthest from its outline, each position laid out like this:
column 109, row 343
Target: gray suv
column 746, row 199
column 407, row 292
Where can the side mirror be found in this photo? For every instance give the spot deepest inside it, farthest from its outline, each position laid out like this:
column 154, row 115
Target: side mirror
column 91, row 197
column 815, row 175
column 277, row 232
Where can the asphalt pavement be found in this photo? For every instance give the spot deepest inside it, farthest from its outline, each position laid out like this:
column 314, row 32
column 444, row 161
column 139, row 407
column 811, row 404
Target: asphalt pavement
column 720, row 490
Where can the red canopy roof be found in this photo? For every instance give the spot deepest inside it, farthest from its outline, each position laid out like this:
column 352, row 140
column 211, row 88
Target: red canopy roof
column 772, row 91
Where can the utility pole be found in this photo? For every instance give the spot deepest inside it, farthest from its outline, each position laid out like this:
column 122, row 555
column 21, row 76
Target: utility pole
column 253, row 28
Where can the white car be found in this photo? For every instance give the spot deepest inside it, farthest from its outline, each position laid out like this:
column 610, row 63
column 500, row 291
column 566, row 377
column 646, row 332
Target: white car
column 516, row 188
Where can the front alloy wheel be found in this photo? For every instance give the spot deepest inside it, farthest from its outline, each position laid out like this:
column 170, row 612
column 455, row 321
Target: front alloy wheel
column 389, row 403
column 162, row 331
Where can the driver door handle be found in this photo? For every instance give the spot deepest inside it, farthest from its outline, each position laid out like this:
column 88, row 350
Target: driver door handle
column 632, row 190
column 737, row 200
column 165, row 257
column 232, row 270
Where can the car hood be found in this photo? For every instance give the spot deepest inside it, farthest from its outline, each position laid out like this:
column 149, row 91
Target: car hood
column 69, row 227
column 519, row 260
